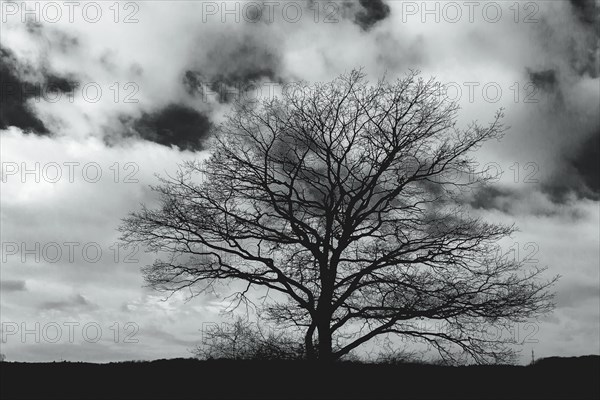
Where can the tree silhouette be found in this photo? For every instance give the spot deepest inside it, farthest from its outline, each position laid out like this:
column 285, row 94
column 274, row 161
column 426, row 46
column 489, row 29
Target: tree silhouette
column 244, row 340
column 342, row 200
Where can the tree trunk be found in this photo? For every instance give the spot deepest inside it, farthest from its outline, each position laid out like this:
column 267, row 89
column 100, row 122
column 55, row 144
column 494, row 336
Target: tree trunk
column 311, row 354
column 324, row 328
column 325, row 346
column 324, row 311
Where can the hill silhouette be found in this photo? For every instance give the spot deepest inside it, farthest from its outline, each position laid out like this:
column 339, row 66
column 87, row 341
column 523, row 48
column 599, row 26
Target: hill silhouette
column 551, row 378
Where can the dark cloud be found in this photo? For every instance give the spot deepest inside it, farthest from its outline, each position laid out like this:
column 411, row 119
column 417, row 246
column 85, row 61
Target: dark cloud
column 75, row 302
column 573, row 132
column 60, row 84
column 193, row 82
column 12, row 286
column 14, row 110
column 175, row 124
column 492, row 198
column 224, row 89
column 548, row 86
column 372, row 12
column 586, row 162
column 587, row 61
column 21, row 83
column 235, row 66
column 587, row 11
column 579, row 174
column 16, row 92
column 559, row 190
column 524, row 201
column 246, row 61
column 545, row 80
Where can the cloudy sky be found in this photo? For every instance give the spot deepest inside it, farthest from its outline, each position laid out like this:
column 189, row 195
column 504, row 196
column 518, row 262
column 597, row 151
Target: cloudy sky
column 99, row 97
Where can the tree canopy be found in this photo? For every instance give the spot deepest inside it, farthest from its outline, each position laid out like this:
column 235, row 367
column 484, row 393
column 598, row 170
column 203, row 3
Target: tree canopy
column 344, row 198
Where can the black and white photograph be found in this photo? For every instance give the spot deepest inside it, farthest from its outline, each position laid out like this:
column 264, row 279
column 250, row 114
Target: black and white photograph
column 300, row 199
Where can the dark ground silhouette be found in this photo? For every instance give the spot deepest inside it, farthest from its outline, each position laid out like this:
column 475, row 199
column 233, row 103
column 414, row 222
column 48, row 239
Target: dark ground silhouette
column 551, row 378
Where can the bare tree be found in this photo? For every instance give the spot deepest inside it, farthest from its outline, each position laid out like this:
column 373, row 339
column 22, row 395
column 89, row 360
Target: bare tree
column 244, row 340
column 344, row 199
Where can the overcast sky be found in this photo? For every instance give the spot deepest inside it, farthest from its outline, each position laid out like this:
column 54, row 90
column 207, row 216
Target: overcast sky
column 103, row 97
